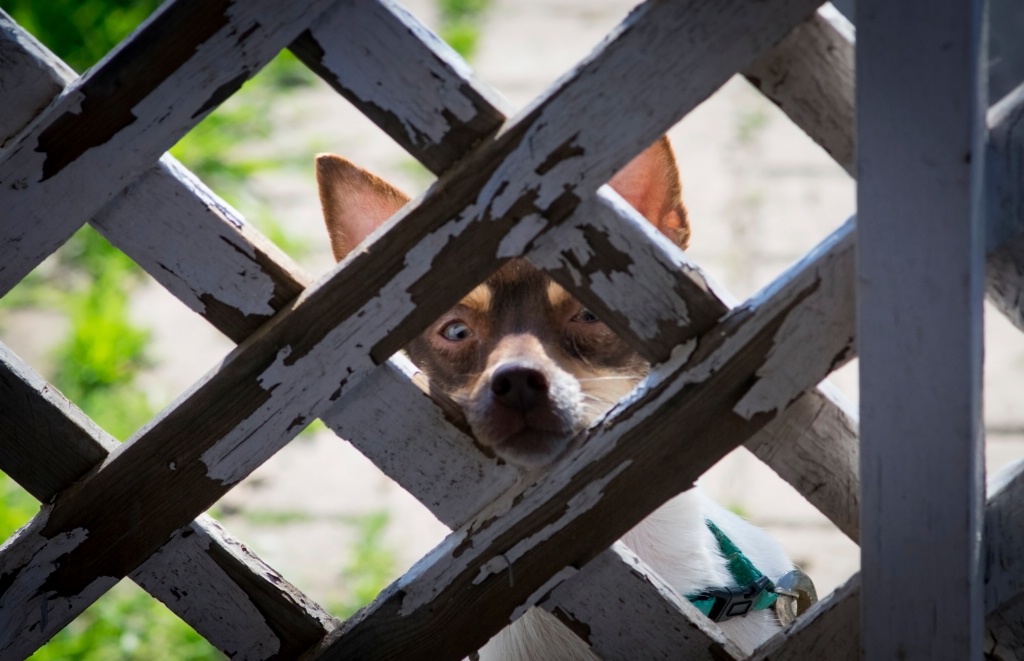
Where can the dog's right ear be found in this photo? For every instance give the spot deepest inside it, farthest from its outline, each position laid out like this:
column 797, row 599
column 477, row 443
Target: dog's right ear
column 355, row 202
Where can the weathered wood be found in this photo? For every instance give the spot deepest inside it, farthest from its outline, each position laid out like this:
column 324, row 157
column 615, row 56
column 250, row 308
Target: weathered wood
column 816, row 92
column 820, row 461
column 645, row 619
column 126, row 111
column 809, row 75
column 1004, row 632
column 443, row 467
column 398, row 73
column 191, row 241
column 1004, row 206
column 201, row 249
column 276, row 382
column 830, row 630
column 44, row 462
column 220, row 588
column 813, row 446
column 27, row 88
column 920, row 277
column 1004, row 536
column 230, row 596
column 691, row 411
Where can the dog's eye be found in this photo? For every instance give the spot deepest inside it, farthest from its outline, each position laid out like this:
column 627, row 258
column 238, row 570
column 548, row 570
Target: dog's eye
column 456, row 331
column 585, row 316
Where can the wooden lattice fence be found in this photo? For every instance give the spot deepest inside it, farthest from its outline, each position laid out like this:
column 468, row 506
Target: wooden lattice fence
column 91, row 149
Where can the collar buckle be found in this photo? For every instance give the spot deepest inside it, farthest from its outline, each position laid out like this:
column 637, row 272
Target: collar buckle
column 730, row 602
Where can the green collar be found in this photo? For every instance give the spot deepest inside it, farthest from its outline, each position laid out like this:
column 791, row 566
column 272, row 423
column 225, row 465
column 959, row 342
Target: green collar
column 752, row 591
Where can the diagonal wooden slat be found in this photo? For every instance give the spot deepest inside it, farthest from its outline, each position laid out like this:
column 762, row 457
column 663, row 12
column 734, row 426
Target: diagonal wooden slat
column 48, row 444
column 809, row 75
column 276, row 381
column 1004, row 206
column 832, row 627
column 672, row 627
column 398, row 73
column 149, row 91
column 813, row 446
column 821, row 461
column 688, row 414
column 201, row 573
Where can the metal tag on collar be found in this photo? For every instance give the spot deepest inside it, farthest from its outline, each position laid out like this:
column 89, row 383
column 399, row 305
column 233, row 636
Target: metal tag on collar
column 796, row 594
column 736, row 601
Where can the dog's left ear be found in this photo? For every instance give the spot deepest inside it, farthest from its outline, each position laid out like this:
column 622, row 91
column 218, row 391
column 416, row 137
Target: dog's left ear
column 650, row 182
column 355, row 201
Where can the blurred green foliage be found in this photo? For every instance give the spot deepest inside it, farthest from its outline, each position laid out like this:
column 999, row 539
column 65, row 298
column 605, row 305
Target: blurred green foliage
column 371, row 566
column 79, row 31
column 460, row 24
column 96, row 364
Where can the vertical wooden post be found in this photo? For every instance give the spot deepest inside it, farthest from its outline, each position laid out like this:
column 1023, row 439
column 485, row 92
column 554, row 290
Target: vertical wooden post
column 920, row 341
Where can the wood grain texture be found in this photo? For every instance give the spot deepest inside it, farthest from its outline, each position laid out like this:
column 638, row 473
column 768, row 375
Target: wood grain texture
column 1004, row 537
column 126, row 111
column 1004, row 206
column 652, row 286
column 200, row 249
column 831, row 629
column 227, row 594
column 46, row 442
column 814, row 446
column 809, row 75
column 688, row 414
column 442, row 466
column 277, row 381
column 404, row 78
column 27, row 89
column 646, row 617
column 920, row 291
column 181, row 233
column 1004, row 632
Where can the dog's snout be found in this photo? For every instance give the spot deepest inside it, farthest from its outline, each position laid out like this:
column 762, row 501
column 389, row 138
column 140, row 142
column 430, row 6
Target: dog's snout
column 519, row 387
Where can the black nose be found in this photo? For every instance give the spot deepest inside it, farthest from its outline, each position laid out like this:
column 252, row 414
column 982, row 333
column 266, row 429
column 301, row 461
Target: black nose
column 519, row 387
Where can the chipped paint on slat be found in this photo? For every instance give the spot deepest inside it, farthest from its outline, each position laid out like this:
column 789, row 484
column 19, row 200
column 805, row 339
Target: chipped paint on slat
column 811, row 328
column 36, row 561
column 411, row 582
column 52, row 185
column 526, row 230
column 561, row 576
column 582, row 501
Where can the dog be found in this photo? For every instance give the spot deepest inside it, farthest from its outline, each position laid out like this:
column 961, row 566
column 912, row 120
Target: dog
column 531, row 367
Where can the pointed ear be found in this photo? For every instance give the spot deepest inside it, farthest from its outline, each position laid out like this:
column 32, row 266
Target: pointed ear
column 650, row 182
column 355, row 202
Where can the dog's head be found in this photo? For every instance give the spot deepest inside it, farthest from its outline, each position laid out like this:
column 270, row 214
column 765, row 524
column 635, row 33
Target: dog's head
column 528, row 364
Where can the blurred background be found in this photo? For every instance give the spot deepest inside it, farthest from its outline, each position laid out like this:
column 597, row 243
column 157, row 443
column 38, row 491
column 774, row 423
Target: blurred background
column 760, row 194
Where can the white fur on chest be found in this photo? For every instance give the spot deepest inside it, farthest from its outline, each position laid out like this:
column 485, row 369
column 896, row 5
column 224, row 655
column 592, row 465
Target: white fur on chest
column 675, row 541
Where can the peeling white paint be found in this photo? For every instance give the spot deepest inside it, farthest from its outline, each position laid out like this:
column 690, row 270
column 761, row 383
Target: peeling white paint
column 418, row 592
column 526, row 230
column 813, row 332
column 34, row 558
column 184, row 565
column 369, row 29
column 561, row 576
column 585, row 500
column 277, row 373
column 187, row 218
